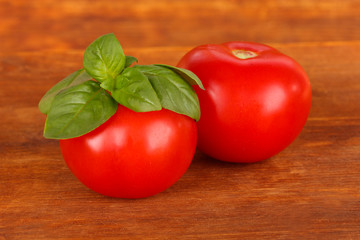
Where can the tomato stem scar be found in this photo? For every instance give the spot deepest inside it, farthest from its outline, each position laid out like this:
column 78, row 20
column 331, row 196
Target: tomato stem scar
column 243, row 54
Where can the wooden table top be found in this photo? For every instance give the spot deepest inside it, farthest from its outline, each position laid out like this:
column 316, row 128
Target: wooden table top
column 311, row 190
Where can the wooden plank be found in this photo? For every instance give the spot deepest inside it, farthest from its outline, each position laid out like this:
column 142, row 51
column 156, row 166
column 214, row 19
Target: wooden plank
column 68, row 24
column 308, row 191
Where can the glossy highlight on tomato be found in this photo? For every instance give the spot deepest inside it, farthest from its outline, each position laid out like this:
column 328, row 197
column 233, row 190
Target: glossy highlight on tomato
column 133, row 155
column 256, row 102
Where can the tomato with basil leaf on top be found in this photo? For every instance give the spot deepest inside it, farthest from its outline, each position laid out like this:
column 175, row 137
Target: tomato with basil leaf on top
column 125, row 130
column 256, row 102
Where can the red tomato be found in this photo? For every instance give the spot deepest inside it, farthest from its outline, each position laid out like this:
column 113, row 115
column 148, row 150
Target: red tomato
column 133, row 155
column 256, row 102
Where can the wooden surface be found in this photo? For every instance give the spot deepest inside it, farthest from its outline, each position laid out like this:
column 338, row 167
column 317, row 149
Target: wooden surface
column 311, row 190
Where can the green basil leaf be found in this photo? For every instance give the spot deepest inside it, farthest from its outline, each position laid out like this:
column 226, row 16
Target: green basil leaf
column 78, row 110
column 73, row 79
column 133, row 90
column 174, row 92
column 108, row 84
column 188, row 75
column 104, row 58
column 130, row 60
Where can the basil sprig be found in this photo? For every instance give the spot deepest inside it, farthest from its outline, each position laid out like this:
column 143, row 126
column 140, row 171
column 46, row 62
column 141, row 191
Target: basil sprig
column 87, row 98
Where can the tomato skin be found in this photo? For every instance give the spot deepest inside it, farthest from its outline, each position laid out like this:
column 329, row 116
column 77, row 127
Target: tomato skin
column 133, row 155
column 252, row 108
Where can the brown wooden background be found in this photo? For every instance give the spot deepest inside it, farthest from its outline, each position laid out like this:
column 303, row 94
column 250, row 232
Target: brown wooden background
column 309, row 191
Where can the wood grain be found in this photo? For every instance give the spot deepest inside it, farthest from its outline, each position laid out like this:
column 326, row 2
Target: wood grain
column 308, row 191
column 68, row 24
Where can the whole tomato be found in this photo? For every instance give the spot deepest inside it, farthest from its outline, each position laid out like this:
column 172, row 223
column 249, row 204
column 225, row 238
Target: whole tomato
column 125, row 130
column 256, row 102
column 133, row 155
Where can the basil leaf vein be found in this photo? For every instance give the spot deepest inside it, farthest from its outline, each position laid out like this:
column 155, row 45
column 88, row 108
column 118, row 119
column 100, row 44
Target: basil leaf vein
column 104, row 58
column 174, row 92
column 73, row 79
column 188, row 75
column 78, row 110
column 134, row 91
